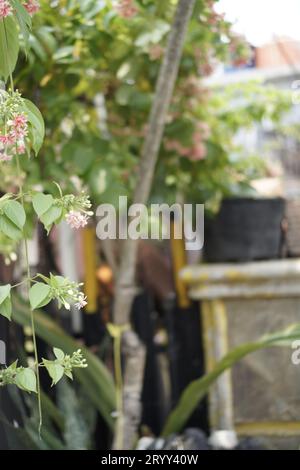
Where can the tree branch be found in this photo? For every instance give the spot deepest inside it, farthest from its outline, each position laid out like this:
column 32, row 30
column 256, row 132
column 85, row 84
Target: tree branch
column 156, row 125
column 125, row 285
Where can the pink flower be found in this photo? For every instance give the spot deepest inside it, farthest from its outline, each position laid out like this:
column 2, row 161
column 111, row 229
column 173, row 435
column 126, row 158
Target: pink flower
column 7, row 139
column 76, row 219
column 32, row 6
column 19, row 120
column 177, row 147
column 203, row 129
column 5, row 9
column 18, row 133
column 199, row 152
column 4, row 157
column 18, row 126
column 21, row 149
column 82, row 301
column 156, row 52
column 126, row 8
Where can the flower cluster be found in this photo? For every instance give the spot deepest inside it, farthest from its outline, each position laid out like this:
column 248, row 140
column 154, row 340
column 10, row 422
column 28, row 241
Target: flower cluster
column 12, row 140
column 192, row 86
column 214, row 19
column 64, row 364
column 197, row 151
column 77, row 208
column 76, row 219
column 240, row 51
column 76, row 360
column 81, row 301
column 205, row 60
column 126, row 8
column 156, row 52
column 67, row 292
column 32, row 6
column 5, row 8
column 13, row 126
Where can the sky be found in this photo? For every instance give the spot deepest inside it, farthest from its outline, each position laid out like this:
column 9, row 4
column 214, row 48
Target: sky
column 260, row 20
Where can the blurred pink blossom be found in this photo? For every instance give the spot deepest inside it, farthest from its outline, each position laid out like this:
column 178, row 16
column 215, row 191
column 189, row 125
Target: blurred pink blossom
column 156, row 52
column 4, row 157
column 126, row 8
column 76, row 219
column 198, row 152
column 5, row 9
column 32, row 6
column 7, row 139
column 82, row 301
column 21, row 149
column 18, row 126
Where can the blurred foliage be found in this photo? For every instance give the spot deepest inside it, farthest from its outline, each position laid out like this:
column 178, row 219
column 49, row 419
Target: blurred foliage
column 69, row 425
column 92, row 72
column 197, row 389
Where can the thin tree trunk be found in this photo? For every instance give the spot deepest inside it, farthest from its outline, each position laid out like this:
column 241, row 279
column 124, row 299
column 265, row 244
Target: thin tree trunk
column 125, row 287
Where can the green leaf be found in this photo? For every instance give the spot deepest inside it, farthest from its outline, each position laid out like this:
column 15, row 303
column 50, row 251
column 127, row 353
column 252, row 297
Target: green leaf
column 37, row 47
column 156, row 31
column 24, row 20
column 9, row 46
column 5, row 301
column 14, row 365
column 73, row 152
column 64, row 53
column 15, row 213
column 26, row 380
column 56, row 371
column 51, row 216
column 57, row 281
column 6, row 308
column 9, row 228
column 69, row 374
column 42, row 203
column 39, row 295
column 4, row 199
column 59, row 354
column 4, row 292
column 37, row 122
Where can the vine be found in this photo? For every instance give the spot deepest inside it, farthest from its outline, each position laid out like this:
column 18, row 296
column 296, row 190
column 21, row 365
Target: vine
column 22, row 133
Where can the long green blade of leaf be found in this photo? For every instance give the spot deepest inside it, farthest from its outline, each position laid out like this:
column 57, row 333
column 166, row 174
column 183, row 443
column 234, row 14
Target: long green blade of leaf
column 197, row 389
column 9, row 46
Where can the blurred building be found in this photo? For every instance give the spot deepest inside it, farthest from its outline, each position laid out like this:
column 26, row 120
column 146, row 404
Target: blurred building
column 276, row 63
column 282, row 52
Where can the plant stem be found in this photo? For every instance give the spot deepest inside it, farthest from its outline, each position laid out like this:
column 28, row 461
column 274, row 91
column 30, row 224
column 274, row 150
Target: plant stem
column 36, row 359
column 125, row 284
column 119, row 390
column 19, row 283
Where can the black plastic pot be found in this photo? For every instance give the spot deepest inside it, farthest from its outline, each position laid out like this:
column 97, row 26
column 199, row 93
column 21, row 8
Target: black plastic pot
column 245, row 230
